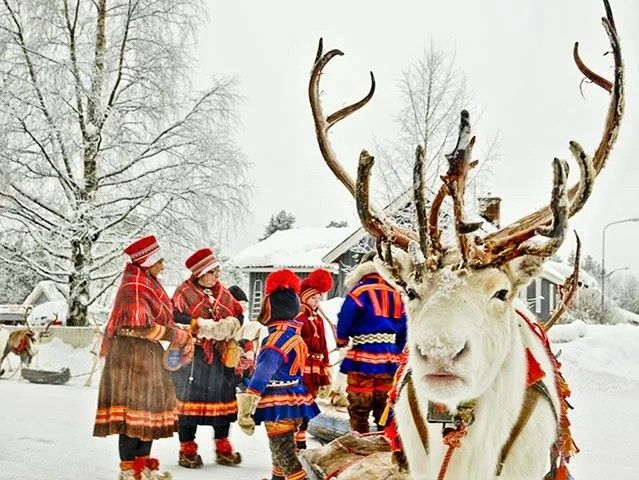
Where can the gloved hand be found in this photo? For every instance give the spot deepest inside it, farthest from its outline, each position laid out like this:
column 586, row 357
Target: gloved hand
column 246, row 406
column 218, row 330
column 227, row 328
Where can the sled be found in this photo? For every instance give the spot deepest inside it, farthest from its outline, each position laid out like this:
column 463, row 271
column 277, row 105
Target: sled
column 46, row 376
column 332, row 423
column 352, row 457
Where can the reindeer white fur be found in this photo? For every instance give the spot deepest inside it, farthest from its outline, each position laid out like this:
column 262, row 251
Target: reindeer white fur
column 458, row 326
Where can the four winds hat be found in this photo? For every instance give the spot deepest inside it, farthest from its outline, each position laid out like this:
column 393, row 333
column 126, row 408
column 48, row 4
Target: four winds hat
column 144, row 252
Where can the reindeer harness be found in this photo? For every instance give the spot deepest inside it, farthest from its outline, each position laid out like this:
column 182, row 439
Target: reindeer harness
column 24, row 342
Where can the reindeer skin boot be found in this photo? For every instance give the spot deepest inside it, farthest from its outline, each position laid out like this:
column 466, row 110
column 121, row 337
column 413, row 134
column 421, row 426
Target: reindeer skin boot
column 224, row 454
column 151, row 471
column 189, row 458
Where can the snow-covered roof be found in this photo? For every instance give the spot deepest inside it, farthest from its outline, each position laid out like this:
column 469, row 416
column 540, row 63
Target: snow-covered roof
column 557, row 273
column 50, row 291
column 301, row 247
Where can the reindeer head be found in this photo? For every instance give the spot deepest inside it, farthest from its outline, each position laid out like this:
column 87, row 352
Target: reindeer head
column 459, row 298
column 29, row 341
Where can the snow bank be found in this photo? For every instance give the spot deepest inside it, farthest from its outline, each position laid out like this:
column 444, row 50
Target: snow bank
column 567, row 332
column 56, row 355
column 607, row 357
column 627, row 316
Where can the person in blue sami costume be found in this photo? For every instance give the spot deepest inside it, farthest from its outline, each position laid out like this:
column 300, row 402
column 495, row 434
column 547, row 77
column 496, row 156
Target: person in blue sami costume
column 373, row 317
column 276, row 394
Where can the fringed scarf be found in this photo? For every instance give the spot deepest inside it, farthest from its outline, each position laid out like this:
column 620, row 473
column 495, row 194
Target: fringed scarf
column 565, row 445
column 200, row 302
column 140, row 302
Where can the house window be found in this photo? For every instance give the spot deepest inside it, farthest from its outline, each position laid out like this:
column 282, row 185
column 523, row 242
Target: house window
column 551, row 297
column 538, row 296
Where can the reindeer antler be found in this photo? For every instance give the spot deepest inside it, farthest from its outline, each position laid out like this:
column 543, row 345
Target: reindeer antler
column 508, row 241
column 571, row 286
column 375, row 223
column 44, row 332
column 499, row 247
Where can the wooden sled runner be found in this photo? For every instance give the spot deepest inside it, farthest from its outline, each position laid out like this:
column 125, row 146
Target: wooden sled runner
column 47, row 376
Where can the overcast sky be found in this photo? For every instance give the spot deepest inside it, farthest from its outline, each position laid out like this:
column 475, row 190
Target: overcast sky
column 517, row 57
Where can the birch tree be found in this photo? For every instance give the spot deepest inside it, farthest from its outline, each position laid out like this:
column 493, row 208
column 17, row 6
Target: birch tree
column 432, row 93
column 102, row 139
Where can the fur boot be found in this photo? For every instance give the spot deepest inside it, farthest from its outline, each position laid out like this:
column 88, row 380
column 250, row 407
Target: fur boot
column 189, row 458
column 224, row 454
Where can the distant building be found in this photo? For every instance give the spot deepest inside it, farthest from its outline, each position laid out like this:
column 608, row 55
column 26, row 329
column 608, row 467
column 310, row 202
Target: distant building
column 542, row 294
column 298, row 249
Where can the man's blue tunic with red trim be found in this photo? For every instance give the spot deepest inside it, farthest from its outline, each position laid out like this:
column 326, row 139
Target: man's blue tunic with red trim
column 278, row 375
column 373, row 316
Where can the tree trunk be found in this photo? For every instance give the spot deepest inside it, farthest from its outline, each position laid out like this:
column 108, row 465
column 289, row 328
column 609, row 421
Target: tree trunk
column 79, row 293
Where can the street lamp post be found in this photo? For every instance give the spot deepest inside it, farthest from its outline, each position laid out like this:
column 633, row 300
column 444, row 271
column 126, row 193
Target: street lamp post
column 603, row 257
column 609, row 274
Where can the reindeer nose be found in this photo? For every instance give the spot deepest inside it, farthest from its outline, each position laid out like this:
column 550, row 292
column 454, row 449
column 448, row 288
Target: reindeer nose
column 440, row 351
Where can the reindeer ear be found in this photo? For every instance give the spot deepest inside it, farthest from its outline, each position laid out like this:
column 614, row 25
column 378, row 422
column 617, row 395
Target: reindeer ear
column 523, row 269
column 401, row 270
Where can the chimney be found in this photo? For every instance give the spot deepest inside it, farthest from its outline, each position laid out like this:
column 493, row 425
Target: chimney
column 489, row 209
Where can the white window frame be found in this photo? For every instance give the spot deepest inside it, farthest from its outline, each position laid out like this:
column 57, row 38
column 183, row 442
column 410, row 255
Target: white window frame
column 538, row 296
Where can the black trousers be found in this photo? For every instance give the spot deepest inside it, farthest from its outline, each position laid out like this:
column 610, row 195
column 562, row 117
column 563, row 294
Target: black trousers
column 131, row 447
column 187, row 432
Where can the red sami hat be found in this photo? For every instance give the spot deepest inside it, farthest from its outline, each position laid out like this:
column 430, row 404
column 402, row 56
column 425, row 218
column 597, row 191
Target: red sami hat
column 281, row 301
column 144, row 252
column 319, row 281
column 201, row 262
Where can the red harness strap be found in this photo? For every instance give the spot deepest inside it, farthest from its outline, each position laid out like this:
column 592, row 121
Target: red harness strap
column 24, row 341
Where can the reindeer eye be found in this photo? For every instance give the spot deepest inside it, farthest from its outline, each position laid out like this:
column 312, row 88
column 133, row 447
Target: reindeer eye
column 501, row 294
column 411, row 294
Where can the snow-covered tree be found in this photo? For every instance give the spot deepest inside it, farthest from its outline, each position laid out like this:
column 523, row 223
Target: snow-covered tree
column 627, row 293
column 101, row 140
column 590, row 265
column 16, row 282
column 282, row 220
column 433, row 92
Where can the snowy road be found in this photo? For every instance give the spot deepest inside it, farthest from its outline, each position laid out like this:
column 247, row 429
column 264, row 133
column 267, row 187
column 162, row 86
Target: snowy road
column 45, row 434
column 45, row 431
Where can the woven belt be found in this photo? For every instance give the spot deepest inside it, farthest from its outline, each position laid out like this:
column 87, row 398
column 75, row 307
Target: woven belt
column 282, row 383
column 374, row 338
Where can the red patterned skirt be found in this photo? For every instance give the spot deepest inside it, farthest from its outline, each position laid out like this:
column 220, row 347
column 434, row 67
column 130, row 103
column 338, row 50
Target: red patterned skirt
column 136, row 396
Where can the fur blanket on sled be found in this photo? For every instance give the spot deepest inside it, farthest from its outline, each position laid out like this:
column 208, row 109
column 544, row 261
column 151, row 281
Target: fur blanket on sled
column 353, row 457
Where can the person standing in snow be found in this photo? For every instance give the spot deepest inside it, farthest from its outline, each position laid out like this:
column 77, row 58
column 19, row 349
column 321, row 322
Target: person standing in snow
column 276, row 394
column 317, row 371
column 373, row 317
column 136, row 399
column 206, row 390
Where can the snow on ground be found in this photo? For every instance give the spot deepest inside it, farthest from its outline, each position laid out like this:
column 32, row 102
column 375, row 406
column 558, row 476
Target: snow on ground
column 46, row 429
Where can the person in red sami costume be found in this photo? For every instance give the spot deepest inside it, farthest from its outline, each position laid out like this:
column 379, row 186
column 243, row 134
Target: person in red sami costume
column 136, row 399
column 206, row 389
column 317, row 371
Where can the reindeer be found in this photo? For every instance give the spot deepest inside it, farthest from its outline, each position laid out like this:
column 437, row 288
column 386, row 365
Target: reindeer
column 23, row 342
column 472, row 350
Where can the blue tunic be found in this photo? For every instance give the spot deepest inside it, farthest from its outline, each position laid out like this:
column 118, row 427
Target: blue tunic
column 278, row 375
column 373, row 316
